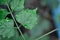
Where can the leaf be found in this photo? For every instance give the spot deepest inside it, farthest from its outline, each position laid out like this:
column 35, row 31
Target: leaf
column 17, row 4
column 3, row 1
column 28, row 18
column 3, row 14
column 7, row 28
column 16, row 37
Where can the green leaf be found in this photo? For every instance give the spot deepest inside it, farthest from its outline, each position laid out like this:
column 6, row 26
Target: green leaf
column 3, row 1
column 28, row 18
column 3, row 14
column 17, row 4
column 7, row 28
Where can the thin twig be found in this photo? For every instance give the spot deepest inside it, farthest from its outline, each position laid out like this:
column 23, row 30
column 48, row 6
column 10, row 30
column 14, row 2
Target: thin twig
column 15, row 22
column 46, row 34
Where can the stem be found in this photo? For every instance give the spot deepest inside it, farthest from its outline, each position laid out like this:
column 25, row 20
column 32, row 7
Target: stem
column 15, row 22
column 46, row 34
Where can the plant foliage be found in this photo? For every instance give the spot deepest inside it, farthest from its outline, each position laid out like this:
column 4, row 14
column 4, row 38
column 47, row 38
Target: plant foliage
column 28, row 18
